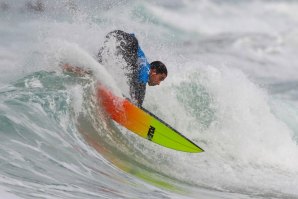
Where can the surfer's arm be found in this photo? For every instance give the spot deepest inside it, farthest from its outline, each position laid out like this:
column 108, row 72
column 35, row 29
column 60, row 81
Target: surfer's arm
column 75, row 69
column 137, row 93
column 141, row 97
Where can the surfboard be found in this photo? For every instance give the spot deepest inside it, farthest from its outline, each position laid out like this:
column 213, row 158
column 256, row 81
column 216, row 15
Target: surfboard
column 143, row 123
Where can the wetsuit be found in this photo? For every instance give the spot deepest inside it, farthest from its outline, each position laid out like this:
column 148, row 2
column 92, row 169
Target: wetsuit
column 137, row 69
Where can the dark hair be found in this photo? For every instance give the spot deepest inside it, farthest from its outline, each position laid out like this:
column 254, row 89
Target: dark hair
column 159, row 67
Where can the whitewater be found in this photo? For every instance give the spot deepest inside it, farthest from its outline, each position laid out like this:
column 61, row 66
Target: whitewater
column 231, row 88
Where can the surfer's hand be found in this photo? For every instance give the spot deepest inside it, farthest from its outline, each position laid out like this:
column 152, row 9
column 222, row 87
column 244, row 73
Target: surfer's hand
column 75, row 69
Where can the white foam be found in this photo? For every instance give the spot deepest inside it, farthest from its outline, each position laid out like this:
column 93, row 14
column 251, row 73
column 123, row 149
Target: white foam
column 7, row 194
column 245, row 141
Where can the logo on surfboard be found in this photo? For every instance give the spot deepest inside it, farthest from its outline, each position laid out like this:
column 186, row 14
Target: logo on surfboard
column 150, row 133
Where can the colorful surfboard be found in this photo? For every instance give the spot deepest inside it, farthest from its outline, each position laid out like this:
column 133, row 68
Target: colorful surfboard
column 143, row 123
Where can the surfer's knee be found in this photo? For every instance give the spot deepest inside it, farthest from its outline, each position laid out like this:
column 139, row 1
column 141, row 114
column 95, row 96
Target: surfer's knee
column 126, row 45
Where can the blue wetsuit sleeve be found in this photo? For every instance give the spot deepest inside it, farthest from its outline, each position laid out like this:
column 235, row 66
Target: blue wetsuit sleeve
column 144, row 67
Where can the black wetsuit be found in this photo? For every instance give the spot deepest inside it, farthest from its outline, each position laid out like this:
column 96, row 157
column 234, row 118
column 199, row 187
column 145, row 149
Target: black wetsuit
column 127, row 46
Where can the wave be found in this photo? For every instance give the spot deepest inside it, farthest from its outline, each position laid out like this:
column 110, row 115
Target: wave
column 53, row 119
column 231, row 89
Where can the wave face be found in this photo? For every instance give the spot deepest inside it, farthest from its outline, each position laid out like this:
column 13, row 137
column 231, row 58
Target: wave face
column 232, row 89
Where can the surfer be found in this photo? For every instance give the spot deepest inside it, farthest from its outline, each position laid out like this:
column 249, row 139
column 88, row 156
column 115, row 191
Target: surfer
column 138, row 70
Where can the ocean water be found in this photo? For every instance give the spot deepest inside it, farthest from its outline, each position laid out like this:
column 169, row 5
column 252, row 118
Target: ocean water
column 231, row 88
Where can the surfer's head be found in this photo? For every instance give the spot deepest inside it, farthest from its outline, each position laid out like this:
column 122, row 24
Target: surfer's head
column 158, row 73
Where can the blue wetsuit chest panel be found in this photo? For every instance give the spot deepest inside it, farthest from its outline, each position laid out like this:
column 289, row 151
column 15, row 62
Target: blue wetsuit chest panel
column 144, row 66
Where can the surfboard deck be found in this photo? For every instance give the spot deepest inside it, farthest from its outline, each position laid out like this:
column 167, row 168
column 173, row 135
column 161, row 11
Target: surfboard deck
column 143, row 123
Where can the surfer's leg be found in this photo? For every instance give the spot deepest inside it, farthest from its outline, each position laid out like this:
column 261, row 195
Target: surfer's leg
column 126, row 46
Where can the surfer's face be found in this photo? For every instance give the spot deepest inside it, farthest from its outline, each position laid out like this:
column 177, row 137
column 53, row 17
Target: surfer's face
column 156, row 78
